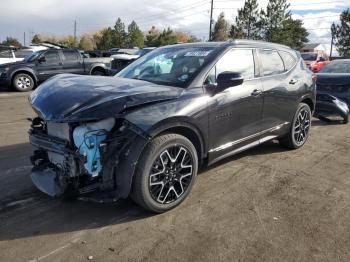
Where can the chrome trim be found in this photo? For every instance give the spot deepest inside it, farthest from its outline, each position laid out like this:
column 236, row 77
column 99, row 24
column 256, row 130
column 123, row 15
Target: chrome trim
column 230, row 144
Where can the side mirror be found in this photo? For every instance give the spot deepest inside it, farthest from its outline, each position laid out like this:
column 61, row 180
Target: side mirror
column 42, row 59
column 228, row 79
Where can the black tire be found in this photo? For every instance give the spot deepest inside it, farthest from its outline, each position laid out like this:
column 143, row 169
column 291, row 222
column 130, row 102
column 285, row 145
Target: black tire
column 23, row 82
column 157, row 153
column 98, row 72
column 346, row 119
column 294, row 139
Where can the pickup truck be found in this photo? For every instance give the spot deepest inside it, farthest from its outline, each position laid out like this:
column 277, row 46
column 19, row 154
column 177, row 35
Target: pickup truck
column 27, row 74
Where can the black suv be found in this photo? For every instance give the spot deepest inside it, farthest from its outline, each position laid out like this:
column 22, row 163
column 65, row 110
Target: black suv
column 146, row 131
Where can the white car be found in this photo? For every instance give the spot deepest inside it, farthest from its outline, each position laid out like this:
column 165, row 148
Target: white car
column 14, row 55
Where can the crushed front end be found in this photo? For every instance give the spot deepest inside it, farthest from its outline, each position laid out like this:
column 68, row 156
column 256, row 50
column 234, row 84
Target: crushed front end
column 95, row 157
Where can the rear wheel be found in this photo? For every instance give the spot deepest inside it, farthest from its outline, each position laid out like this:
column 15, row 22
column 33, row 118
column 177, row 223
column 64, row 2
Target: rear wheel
column 22, row 82
column 300, row 128
column 165, row 173
column 346, row 119
column 98, row 72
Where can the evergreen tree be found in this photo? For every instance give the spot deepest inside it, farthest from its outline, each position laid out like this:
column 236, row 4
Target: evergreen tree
column 135, row 36
column 341, row 34
column 247, row 23
column 221, row 29
column 119, row 34
column 105, row 39
column 167, row 37
column 276, row 12
column 290, row 33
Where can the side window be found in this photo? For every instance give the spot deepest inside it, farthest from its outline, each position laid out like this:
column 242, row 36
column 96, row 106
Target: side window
column 70, row 56
column 6, row 54
column 288, row 59
column 51, row 57
column 271, row 61
column 235, row 60
column 23, row 53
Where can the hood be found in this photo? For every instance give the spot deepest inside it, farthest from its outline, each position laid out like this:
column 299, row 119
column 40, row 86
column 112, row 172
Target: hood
column 333, row 79
column 16, row 63
column 70, row 98
column 125, row 56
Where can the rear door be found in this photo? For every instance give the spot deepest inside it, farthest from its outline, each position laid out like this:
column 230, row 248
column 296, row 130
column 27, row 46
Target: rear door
column 235, row 114
column 49, row 64
column 281, row 85
column 72, row 62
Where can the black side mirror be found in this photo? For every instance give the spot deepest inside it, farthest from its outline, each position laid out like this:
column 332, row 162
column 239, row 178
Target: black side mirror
column 42, row 59
column 228, row 79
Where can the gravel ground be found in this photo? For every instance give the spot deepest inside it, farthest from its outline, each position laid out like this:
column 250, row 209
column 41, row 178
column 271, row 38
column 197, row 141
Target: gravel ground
column 267, row 204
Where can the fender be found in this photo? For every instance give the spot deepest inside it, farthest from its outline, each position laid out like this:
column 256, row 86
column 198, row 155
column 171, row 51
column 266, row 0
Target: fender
column 25, row 70
column 310, row 95
column 93, row 66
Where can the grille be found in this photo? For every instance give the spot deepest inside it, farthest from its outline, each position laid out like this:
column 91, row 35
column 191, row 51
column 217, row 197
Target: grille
column 120, row 64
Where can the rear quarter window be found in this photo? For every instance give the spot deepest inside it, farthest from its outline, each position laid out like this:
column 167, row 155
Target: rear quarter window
column 271, row 62
column 288, row 60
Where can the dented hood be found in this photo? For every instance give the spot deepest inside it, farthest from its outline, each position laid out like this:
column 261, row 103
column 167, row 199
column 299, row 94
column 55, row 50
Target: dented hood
column 68, row 98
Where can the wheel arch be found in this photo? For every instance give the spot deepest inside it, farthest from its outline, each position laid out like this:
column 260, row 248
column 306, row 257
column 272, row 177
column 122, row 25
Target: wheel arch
column 309, row 102
column 98, row 67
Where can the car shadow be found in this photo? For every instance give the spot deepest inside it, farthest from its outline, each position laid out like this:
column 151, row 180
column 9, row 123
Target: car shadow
column 27, row 212
column 328, row 122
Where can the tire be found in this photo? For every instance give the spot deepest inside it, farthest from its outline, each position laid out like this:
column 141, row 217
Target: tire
column 346, row 119
column 297, row 136
column 165, row 173
column 98, row 72
column 23, row 82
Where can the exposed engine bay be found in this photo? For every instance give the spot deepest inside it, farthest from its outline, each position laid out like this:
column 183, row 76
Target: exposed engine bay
column 83, row 158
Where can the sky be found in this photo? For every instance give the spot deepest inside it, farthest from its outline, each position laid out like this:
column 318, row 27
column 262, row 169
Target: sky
column 56, row 17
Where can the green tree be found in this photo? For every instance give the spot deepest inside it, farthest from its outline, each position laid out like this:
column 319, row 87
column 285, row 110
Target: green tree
column 105, row 39
column 119, row 34
column 276, row 13
column 135, row 36
column 36, row 39
column 167, row 37
column 341, row 33
column 152, row 37
column 11, row 41
column 247, row 22
column 290, row 33
column 221, row 29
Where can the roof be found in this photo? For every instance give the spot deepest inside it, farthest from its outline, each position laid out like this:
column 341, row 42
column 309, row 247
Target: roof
column 310, row 46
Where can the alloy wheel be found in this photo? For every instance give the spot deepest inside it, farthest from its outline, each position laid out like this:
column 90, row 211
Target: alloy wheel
column 302, row 126
column 171, row 174
column 23, row 82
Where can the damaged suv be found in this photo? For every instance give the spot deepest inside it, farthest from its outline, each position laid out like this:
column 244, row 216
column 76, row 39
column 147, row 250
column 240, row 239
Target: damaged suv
column 145, row 132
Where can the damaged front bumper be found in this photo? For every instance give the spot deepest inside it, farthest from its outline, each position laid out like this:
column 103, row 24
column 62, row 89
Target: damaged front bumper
column 60, row 167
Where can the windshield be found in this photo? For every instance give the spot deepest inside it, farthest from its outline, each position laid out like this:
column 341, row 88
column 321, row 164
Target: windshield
column 33, row 56
column 309, row 57
column 174, row 66
column 337, row 67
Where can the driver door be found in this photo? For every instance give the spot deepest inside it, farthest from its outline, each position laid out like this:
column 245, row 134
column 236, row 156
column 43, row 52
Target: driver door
column 235, row 114
column 49, row 64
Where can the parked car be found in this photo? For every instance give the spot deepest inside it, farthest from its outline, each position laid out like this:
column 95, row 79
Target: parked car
column 334, row 79
column 38, row 67
column 10, row 56
column 120, row 61
column 314, row 61
column 328, row 105
column 146, row 131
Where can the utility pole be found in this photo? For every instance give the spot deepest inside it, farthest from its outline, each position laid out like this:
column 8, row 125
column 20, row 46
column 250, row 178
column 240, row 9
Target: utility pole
column 24, row 38
column 75, row 32
column 211, row 19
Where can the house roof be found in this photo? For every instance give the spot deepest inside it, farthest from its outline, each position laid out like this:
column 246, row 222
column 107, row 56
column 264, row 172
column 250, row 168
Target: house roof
column 310, row 46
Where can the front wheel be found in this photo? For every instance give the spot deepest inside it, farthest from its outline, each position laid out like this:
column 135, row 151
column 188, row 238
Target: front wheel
column 300, row 128
column 23, row 82
column 165, row 173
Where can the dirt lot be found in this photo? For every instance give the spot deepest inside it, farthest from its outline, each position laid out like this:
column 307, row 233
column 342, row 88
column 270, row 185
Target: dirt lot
column 267, row 204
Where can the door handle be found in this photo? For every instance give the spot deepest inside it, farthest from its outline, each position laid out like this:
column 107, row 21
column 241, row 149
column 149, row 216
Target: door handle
column 256, row 92
column 293, row 81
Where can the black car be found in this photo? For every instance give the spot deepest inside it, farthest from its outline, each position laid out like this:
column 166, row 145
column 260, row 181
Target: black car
column 334, row 79
column 328, row 105
column 145, row 132
column 27, row 74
